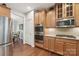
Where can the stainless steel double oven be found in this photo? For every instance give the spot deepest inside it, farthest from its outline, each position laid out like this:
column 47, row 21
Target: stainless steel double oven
column 39, row 32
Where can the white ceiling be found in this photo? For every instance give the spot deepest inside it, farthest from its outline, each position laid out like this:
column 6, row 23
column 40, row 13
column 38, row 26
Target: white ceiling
column 25, row 7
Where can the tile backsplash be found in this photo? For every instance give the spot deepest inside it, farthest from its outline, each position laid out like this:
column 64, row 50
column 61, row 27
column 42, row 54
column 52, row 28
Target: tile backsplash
column 62, row 31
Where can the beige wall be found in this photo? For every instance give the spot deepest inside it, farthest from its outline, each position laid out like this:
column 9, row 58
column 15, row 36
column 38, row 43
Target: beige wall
column 65, row 31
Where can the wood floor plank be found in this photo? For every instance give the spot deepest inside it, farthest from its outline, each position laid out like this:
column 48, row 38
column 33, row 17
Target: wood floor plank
column 26, row 50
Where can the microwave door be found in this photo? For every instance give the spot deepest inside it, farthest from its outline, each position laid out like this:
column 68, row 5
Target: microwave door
column 67, row 22
column 72, row 22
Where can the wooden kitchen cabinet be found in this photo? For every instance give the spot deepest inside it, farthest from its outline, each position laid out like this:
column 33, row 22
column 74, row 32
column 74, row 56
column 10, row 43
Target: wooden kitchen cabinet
column 46, row 43
column 36, row 21
column 62, row 46
column 69, row 10
column 67, row 47
column 51, row 43
column 59, row 11
column 70, row 47
column 47, row 21
column 77, row 48
column 76, row 14
column 4, row 11
column 59, row 46
column 40, row 17
column 65, row 10
column 72, row 11
column 50, row 18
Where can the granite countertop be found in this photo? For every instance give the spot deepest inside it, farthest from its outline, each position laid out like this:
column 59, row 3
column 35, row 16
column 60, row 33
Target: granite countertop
column 65, row 37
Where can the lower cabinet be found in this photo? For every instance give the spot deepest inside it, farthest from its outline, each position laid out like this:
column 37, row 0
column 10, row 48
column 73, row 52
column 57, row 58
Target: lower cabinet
column 49, row 43
column 70, row 49
column 59, row 46
column 66, row 47
column 77, row 48
column 46, row 43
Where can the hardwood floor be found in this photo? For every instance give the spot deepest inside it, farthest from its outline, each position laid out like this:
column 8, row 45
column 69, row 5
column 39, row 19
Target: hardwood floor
column 26, row 50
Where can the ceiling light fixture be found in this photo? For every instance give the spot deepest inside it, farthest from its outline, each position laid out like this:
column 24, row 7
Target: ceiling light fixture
column 29, row 8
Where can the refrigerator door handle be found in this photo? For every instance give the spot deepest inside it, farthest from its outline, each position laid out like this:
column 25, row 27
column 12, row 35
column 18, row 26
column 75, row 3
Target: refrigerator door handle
column 6, row 43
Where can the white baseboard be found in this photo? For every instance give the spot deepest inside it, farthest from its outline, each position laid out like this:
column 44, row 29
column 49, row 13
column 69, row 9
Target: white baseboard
column 29, row 44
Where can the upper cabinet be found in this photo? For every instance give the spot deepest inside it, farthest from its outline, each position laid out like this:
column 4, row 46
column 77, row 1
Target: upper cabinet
column 50, row 19
column 39, row 17
column 42, row 16
column 36, row 21
column 47, row 21
column 67, row 11
column 76, row 13
column 4, row 11
column 64, row 10
column 59, row 11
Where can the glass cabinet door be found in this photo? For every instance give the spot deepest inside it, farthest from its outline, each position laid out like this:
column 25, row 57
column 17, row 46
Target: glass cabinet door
column 59, row 10
column 69, row 9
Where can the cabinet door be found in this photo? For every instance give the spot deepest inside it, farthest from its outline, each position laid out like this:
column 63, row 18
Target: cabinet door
column 69, row 10
column 51, row 44
column 4, row 11
column 59, row 11
column 77, row 48
column 76, row 14
column 46, row 43
column 36, row 18
column 47, row 22
column 41, row 17
column 70, row 49
column 50, row 19
column 39, row 14
column 59, row 46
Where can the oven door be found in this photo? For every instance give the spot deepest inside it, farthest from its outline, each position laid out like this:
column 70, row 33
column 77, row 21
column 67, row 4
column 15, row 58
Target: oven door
column 39, row 29
column 39, row 38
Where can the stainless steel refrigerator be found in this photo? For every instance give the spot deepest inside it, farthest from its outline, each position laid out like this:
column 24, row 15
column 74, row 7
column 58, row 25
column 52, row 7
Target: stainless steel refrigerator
column 5, row 41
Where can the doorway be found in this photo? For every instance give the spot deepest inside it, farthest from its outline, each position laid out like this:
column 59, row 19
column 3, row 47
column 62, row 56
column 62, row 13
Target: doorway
column 17, row 30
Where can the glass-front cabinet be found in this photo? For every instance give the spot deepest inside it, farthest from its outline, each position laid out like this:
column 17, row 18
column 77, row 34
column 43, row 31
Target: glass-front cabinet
column 69, row 10
column 64, row 10
column 59, row 11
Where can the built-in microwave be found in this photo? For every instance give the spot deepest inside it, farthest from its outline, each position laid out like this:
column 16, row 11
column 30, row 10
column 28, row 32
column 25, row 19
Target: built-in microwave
column 65, row 23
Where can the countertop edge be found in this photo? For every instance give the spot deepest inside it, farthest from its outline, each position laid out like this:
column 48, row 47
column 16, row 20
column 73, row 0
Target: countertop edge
column 61, row 37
